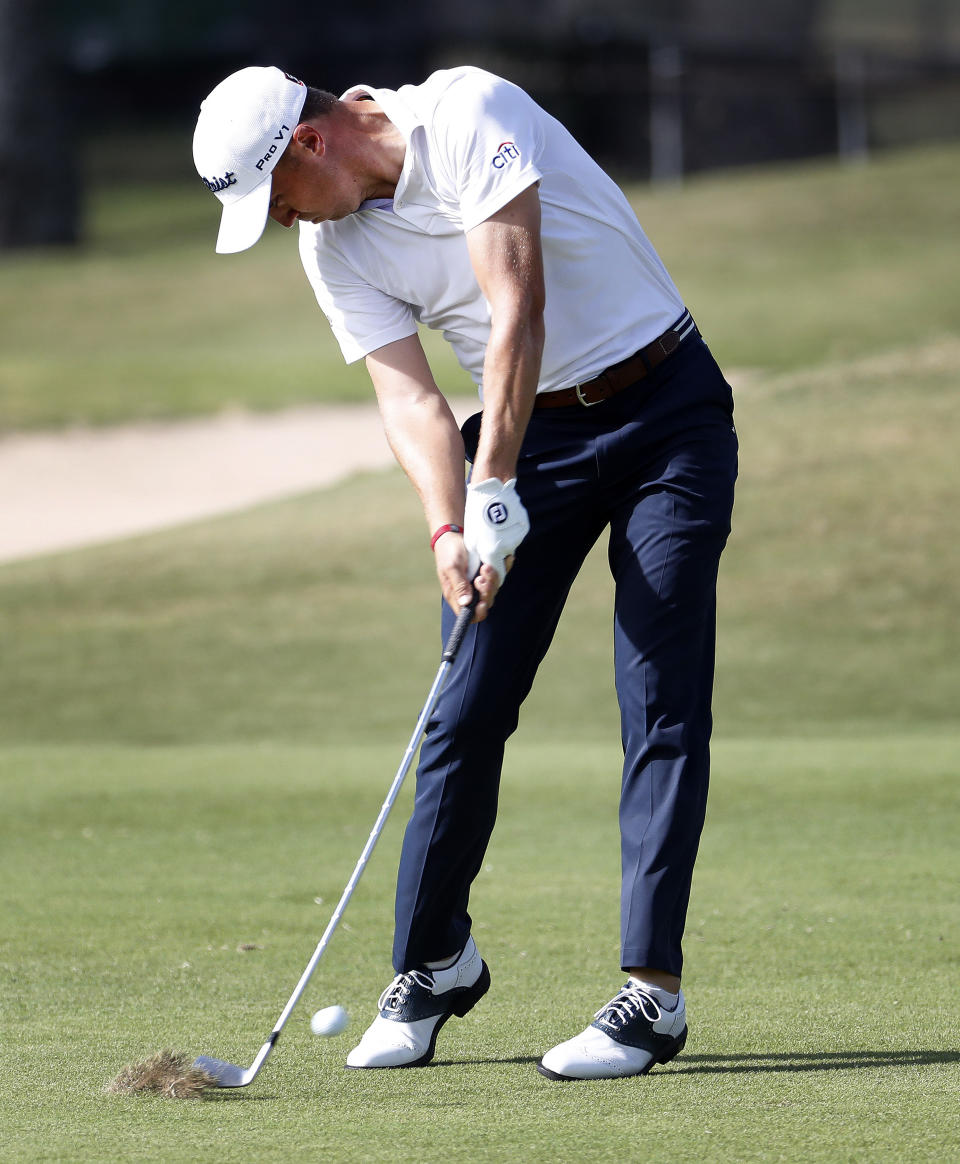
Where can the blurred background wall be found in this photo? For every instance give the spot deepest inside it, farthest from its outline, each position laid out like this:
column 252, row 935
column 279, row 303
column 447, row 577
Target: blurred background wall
column 653, row 88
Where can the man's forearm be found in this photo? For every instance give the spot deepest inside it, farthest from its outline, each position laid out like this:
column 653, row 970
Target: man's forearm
column 508, row 262
column 420, row 428
column 510, row 376
column 427, row 443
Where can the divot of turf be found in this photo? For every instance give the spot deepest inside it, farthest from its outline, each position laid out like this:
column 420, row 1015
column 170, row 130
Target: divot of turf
column 167, row 1073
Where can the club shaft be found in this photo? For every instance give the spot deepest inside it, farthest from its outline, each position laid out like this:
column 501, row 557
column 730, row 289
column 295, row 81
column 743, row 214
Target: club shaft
column 368, row 848
column 228, row 1074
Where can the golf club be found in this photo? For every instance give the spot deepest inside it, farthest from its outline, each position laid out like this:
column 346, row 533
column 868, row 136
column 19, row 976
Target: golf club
column 229, row 1074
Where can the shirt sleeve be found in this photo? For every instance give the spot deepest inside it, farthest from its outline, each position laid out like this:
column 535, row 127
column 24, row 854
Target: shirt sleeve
column 362, row 317
column 489, row 136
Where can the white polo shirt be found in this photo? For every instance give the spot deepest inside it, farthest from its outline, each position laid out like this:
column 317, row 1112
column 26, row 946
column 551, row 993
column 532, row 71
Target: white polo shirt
column 474, row 142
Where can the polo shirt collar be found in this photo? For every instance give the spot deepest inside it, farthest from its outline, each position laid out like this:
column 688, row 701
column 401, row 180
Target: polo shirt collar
column 404, row 118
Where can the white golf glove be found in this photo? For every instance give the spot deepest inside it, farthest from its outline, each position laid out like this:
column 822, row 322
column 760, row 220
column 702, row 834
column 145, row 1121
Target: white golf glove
column 494, row 524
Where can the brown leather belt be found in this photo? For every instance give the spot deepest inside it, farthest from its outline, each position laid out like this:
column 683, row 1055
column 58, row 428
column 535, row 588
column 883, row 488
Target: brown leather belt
column 619, row 376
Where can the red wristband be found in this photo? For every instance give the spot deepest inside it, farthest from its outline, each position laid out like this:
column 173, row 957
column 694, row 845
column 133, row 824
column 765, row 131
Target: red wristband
column 442, row 530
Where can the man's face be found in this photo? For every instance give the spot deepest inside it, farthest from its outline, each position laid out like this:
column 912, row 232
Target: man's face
column 309, row 186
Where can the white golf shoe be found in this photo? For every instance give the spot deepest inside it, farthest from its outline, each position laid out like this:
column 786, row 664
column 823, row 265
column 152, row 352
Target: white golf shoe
column 628, row 1036
column 415, row 1006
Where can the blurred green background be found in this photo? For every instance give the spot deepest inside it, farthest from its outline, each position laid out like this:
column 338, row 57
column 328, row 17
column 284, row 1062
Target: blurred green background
column 788, row 269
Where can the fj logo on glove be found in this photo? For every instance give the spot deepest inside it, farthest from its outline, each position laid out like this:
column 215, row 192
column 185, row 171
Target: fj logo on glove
column 497, row 513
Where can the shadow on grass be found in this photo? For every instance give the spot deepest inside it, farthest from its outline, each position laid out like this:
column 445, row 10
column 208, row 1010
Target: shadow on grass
column 485, row 1062
column 715, row 1065
column 749, row 1064
column 815, row 1061
column 232, row 1095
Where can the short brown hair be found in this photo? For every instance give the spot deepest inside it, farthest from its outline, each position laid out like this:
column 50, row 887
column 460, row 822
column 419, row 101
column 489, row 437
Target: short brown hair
column 318, row 103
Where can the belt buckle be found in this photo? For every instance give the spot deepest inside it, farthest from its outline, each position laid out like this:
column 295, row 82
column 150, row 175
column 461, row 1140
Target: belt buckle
column 582, row 399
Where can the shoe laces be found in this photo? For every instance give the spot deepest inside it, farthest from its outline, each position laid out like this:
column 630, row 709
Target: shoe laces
column 631, row 1001
column 399, row 989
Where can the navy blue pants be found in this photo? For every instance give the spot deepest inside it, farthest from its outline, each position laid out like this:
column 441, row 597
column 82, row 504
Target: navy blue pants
column 655, row 465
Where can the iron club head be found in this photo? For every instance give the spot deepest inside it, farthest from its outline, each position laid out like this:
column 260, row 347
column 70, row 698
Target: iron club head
column 225, row 1074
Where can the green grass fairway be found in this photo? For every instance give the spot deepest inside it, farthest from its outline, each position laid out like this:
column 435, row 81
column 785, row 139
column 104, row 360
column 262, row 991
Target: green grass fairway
column 197, row 729
column 132, row 877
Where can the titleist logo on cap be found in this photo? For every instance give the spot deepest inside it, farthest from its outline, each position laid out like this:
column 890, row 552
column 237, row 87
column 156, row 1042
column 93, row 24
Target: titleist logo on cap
column 215, row 184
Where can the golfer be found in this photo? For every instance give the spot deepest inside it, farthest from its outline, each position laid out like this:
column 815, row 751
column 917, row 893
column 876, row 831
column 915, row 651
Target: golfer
column 461, row 205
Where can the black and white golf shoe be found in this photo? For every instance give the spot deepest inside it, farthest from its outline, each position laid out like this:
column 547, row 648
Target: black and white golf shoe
column 628, row 1036
column 415, row 1006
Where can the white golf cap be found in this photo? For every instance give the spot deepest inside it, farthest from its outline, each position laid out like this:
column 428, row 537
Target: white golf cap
column 243, row 128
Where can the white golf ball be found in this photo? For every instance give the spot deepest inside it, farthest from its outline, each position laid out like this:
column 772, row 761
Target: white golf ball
column 329, row 1021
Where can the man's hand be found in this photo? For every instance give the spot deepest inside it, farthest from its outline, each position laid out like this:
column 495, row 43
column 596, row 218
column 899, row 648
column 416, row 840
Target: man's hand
column 494, row 524
column 454, row 574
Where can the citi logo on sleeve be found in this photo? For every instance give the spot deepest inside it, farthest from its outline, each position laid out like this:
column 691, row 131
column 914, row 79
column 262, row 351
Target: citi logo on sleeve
column 216, row 184
column 505, row 155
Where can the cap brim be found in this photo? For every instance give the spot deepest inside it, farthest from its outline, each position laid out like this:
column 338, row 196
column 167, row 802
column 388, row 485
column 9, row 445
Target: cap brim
column 243, row 219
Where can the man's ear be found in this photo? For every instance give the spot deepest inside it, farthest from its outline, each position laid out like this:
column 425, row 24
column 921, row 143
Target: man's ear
column 308, row 138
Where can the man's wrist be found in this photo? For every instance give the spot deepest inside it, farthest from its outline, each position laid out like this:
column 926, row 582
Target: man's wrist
column 501, row 469
column 438, row 533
